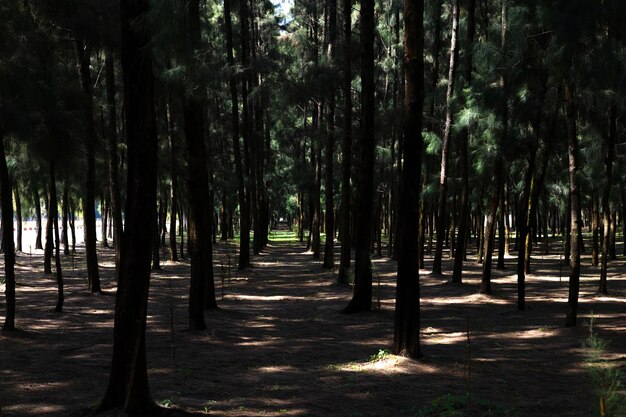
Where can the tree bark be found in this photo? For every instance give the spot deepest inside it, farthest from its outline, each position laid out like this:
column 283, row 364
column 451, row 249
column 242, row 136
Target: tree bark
column 407, row 312
column 37, row 204
column 6, row 203
column 54, row 215
column 173, row 183
column 575, row 217
column 343, row 275
column 461, row 241
column 329, row 224
column 445, row 146
column 113, row 160
column 362, row 296
column 200, row 207
column 128, row 381
column 83, row 58
column 609, row 155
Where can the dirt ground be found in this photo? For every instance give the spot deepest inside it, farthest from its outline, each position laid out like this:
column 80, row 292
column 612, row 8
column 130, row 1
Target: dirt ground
column 279, row 346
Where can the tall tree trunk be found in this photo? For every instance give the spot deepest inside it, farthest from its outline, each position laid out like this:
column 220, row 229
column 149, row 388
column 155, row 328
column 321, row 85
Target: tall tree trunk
column 6, row 203
column 407, row 313
column 53, row 214
column 37, row 204
column 173, row 183
column 244, row 234
column 18, row 217
column 575, row 218
column 362, row 297
column 104, row 221
column 83, row 58
column 609, row 155
column 128, row 381
column 49, row 248
column 346, row 147
column 445, row 146
column 65, row 217
column 501, row 229
column 114, row 176
column 461, row 241
column 200, row 207
column 329, row 253
column 595, row 225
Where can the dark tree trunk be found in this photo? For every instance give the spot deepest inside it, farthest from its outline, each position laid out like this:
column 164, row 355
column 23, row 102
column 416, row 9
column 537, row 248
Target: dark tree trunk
column 6, row 203
column 73, row 227
column 329, row 224
column 595, row 224
column 37, row 204
column 445, row 146
column 501, row 229
column 362, row 297
column 346, row 148
column 243, row 180
column 104, row 221
column 490, row 225
column 575, row 219
column 53, row 213
column 66, row 209
column 609, row 155
column 114, row 176
column 49, row 248
column 83, row 58
column 128, row 382
column 18, row 218
column 173, row 184
column 407, row 313
column 200, row 207
column 461, row 241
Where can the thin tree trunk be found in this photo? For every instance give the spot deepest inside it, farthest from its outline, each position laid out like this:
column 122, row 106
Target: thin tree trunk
column 346, row 148
column 609, row 155
column 329, row 253
column 18, row 217
column 49, row 248
column 445, row 146
column 104, row 221
column 53, row 213
column 37, row 204
column 575, row 218
column 65, row 211
column 173, row 182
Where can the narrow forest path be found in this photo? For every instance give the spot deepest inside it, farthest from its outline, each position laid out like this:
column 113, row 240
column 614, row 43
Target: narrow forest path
column 280, row 346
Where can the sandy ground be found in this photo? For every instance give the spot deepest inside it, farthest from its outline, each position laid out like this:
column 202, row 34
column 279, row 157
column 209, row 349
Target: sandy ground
column 280, row 347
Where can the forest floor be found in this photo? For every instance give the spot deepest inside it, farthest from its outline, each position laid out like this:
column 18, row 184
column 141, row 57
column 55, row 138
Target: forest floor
column 279, row 346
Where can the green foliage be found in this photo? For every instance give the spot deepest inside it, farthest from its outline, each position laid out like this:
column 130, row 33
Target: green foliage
column 608, row 379
column 381, row 355
column 463, row 406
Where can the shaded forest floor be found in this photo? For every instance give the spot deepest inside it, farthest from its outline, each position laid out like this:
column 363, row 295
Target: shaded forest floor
column 280, row 347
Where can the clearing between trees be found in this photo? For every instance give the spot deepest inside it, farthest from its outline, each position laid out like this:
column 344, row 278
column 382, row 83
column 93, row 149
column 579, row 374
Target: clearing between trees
column 279, row 345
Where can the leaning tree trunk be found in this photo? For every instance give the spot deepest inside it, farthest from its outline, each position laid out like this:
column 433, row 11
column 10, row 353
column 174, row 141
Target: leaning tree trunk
column 83, row 57
column 114, row 176
column 575, row 218
column 346, row 148
column 445, row 145
column 362, row 296
column 128, row 381
column 200, row 207
column 65, row 217
column 6, row 203
column 407, row 313
column 606, row 193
